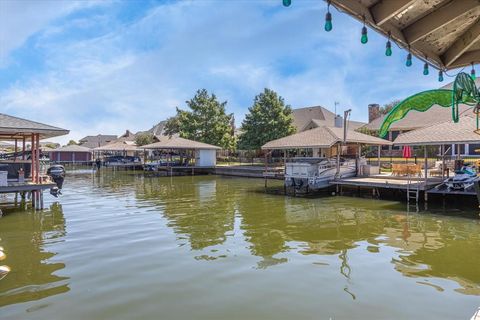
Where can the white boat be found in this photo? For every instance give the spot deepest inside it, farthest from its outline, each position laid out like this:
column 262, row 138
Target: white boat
column 317, row 173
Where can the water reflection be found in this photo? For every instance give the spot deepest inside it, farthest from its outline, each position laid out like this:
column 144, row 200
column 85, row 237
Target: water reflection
column 25, row 237
column 204, row 211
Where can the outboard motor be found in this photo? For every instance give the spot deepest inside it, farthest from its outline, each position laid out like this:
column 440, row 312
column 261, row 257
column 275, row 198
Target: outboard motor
column 57, row 173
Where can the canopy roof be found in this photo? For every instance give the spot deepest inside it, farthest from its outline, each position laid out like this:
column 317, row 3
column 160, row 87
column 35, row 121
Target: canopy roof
column 323, row 137
column 445, row 32
column 118, row 146
column 13, row 127
column 179, row 143
column 69, row 148
column 442, row 133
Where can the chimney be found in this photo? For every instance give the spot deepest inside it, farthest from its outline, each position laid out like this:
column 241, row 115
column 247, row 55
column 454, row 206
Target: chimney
column 338, row 121
column 373, row 112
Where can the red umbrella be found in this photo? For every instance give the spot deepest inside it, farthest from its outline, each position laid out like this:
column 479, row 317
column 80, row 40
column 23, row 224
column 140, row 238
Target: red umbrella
column 407, row 152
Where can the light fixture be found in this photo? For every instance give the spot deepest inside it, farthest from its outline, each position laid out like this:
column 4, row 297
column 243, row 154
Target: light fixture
column 408, row 63
column 440, row 76
column 287, row 3
column 364, row 38
column 328, row 19
column 388, row 47
column 425, row 69
column 472, row 73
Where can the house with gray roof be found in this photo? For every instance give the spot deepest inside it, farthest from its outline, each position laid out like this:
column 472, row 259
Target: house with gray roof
column 96, row 141
column 317, row 116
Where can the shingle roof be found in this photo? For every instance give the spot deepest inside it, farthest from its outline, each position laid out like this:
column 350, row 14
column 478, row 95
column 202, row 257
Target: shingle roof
column 97, row 141
column 118, row 145
column 72, row 148
column 442, row 133
column 315, row 123
column 179, row 143
column 322, row 137
column 415, row 119
column 11, row 124
column 303, row 116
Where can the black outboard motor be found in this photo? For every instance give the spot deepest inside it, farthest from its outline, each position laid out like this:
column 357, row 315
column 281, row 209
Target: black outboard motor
column 57, row 173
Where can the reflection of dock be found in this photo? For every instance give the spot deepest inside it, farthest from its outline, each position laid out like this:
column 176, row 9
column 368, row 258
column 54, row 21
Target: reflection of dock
column 182, row 170
column 250, row 172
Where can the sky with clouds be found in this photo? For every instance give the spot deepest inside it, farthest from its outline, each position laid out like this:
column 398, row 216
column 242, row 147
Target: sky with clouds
column 107, row 66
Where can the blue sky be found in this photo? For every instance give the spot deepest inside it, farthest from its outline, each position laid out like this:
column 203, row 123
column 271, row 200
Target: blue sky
column 107, row 66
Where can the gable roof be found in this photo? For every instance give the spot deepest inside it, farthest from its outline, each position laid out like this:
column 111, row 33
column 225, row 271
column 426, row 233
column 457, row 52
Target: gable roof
column 303, row 116
column 97, row 141
column 447, row 132
column 315, row 123
column 14, row 125
column 179, row 143
column 118, row 145
column 322, row 137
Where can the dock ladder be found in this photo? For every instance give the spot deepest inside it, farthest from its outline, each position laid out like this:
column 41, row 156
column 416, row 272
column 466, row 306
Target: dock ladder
column 412, row 193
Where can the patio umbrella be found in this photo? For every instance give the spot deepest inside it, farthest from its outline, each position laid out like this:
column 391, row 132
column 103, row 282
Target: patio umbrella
column 407, row 152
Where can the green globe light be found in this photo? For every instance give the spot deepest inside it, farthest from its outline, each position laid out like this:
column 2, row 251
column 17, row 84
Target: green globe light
column 425, row 69
column 409, row 60
column 287, row 3
column 440, row 76
column 364, row 38
column 328, row 22
column 388, row 50
column 472, row 74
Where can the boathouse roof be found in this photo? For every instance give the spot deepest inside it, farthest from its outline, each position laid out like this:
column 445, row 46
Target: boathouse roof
column 70, row 148
column 11, row 126
column 118, row 145
column 447, row 132
column 323, row 137
column 444, row 32
column 180, row 143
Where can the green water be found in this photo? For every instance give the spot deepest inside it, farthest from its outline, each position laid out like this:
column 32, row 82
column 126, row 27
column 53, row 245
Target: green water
column 123, row 246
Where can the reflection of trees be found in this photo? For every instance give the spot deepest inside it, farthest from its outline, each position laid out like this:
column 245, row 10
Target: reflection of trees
column 202, row 209
column 440, row 249
column 23, row 236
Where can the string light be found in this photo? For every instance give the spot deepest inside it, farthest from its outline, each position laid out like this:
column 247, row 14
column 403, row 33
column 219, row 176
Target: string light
column 388, row 47
column 364, row 38
column 472, row 73
column 287, row 3
column 328, row 19
column 425, row 69
column 440, row 76
column 408, row 63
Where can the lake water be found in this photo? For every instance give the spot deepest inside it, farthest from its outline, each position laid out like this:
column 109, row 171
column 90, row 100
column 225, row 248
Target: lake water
column 124, row 246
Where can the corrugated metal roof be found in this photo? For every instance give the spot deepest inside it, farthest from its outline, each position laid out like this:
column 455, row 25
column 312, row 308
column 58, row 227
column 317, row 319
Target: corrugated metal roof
column 442, row 133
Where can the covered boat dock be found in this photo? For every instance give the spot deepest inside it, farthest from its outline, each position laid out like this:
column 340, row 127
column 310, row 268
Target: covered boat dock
column 175, row 154
column 23, row 173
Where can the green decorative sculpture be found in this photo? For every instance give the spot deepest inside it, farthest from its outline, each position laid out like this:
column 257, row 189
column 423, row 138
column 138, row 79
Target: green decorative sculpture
column 464, row 91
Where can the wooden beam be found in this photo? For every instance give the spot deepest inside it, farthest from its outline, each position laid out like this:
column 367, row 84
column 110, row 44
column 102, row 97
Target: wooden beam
column 387, row 9
column 437, row 19
column 462, row 44
column 466, row 59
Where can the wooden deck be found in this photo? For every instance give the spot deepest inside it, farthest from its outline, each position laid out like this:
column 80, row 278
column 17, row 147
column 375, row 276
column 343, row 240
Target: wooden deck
column 388, row 182
column 14, row 187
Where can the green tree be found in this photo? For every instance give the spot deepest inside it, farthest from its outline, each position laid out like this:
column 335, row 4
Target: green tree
column 144, row 138
column 389, row 106
column 268, row 119
column 72, row 142
column 205, row 121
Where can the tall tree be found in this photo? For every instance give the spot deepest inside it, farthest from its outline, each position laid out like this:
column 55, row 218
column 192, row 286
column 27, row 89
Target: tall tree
column 144, row 138
column 205, row 121
column 389, row 106
column 71, row 142
column 268, row 119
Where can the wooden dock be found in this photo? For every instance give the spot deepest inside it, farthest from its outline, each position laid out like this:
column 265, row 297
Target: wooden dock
column 388, row 182
column 33, row 191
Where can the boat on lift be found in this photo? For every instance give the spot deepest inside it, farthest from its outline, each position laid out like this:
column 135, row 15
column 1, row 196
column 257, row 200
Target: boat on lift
column 311, row 174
